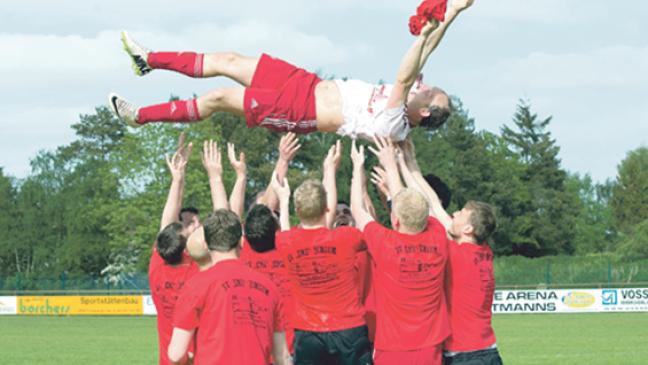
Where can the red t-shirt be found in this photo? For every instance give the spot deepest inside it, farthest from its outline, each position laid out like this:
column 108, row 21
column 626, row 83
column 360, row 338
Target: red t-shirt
column 408, row 281
column 235, row 311
column 363, row 265
column 470, row 285
column 166, row 283
column 271, row 263
column 323, row 277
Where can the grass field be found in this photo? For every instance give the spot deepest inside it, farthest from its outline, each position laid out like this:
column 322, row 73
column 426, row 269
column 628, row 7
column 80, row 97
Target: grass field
column 547, row 339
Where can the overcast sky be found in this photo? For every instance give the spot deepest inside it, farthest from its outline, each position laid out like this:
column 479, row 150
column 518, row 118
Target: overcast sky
column 584, row 62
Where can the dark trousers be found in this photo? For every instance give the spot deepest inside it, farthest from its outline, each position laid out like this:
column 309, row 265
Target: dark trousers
column 345, row 347
column 481, row 357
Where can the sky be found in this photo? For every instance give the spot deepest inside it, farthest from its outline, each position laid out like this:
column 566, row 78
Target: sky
column 583, row 62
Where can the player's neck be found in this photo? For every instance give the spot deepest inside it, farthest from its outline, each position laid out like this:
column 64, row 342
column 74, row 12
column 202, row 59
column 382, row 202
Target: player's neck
column 467, row 239
column 320, row 223
column 217, row 257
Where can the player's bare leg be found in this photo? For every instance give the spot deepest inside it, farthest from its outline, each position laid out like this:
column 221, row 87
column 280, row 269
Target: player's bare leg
column 229, row 64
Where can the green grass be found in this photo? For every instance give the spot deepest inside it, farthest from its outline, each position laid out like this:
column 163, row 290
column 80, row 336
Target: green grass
column 547, row 339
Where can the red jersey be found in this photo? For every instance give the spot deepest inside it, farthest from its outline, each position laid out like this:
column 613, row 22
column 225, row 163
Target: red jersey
column 321, row 266
column 470, row 285
column 408, row 280
column 166, row 283
column 235, row 311
column 363, row 265
column 271, row 263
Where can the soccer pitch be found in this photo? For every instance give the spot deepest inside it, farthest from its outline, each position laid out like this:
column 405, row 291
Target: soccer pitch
column 523, row 339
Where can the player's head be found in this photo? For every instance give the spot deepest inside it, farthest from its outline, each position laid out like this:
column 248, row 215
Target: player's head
column 260, row 228
column 189, row 218
column 310, row 201
column 343, row 215
column 476, row 221
column 440, row 188
column 170, row 243
column 222, row 231
column 410, row 211
column 432, row 105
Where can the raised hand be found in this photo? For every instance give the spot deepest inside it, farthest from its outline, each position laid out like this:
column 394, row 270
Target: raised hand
column 379, row 178
column 288, row 147
column 429, row 27
column 357, row 155
column 178, row 161
column 239, row 165
column 334, row 156
column 460, row 5
column 282, row 190
column 211, row 159
column 384, row 151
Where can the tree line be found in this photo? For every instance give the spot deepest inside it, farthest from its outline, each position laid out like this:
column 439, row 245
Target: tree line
column 92, row 207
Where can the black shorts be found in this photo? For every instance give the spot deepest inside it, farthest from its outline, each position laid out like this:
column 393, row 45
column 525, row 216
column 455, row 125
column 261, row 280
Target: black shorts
column 345, row 347
column 481, row 357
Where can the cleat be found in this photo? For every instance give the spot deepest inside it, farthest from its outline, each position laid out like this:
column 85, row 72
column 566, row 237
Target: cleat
column 137, row 53
column 124, row 110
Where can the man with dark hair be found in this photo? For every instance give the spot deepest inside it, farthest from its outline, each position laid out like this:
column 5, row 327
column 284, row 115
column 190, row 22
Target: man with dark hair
column 329, row 322
column 170, row 267
column 281, row 97
column 189, row 215
column 232, row 310
column 470, row 280
column 441, row 188
column 408, row 275
column 260, row 254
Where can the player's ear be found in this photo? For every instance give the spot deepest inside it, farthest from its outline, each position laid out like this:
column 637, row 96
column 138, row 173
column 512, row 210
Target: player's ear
column 468, row 230
column 424, row 112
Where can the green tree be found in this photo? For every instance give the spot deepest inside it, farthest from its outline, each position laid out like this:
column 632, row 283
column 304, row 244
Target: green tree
column 551, row 211
column 630, row 193
column 7, row 222
column 595, row 226
column 634, row 245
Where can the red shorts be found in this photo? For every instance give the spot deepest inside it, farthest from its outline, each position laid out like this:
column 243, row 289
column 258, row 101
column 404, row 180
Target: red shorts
column 427, row 356
column 281, row 97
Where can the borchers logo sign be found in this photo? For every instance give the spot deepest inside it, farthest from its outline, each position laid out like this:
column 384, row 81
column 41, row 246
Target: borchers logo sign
column 578, row 299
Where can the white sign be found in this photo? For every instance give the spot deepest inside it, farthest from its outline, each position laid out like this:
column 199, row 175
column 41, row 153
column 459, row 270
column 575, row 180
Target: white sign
column 148, row 306
column 8, row 305
column 571, row 300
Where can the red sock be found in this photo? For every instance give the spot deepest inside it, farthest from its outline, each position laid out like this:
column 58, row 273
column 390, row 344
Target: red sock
column 188, row 63
column 173, row 111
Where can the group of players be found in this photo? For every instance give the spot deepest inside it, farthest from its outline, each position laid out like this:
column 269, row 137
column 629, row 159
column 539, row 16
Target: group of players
column 338, row 288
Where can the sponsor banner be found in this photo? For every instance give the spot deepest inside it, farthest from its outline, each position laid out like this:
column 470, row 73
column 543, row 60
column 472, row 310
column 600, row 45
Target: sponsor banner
column 571, row 300
column 80, row 305
column 148, row 306
column 7, row 305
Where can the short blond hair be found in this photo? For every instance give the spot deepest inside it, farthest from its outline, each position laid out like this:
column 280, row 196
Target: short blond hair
column 310, row 201
column 411, row 209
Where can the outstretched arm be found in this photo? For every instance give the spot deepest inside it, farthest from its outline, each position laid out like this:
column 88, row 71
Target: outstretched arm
column 386, row 152
column 434, row 39
column 288, row 147
column 211, row 159
column 359, row 211
column 409, row 68
column 283, row 193
column 237, row 195
column 330, row 166
column 407, row 161
column 176, row 164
